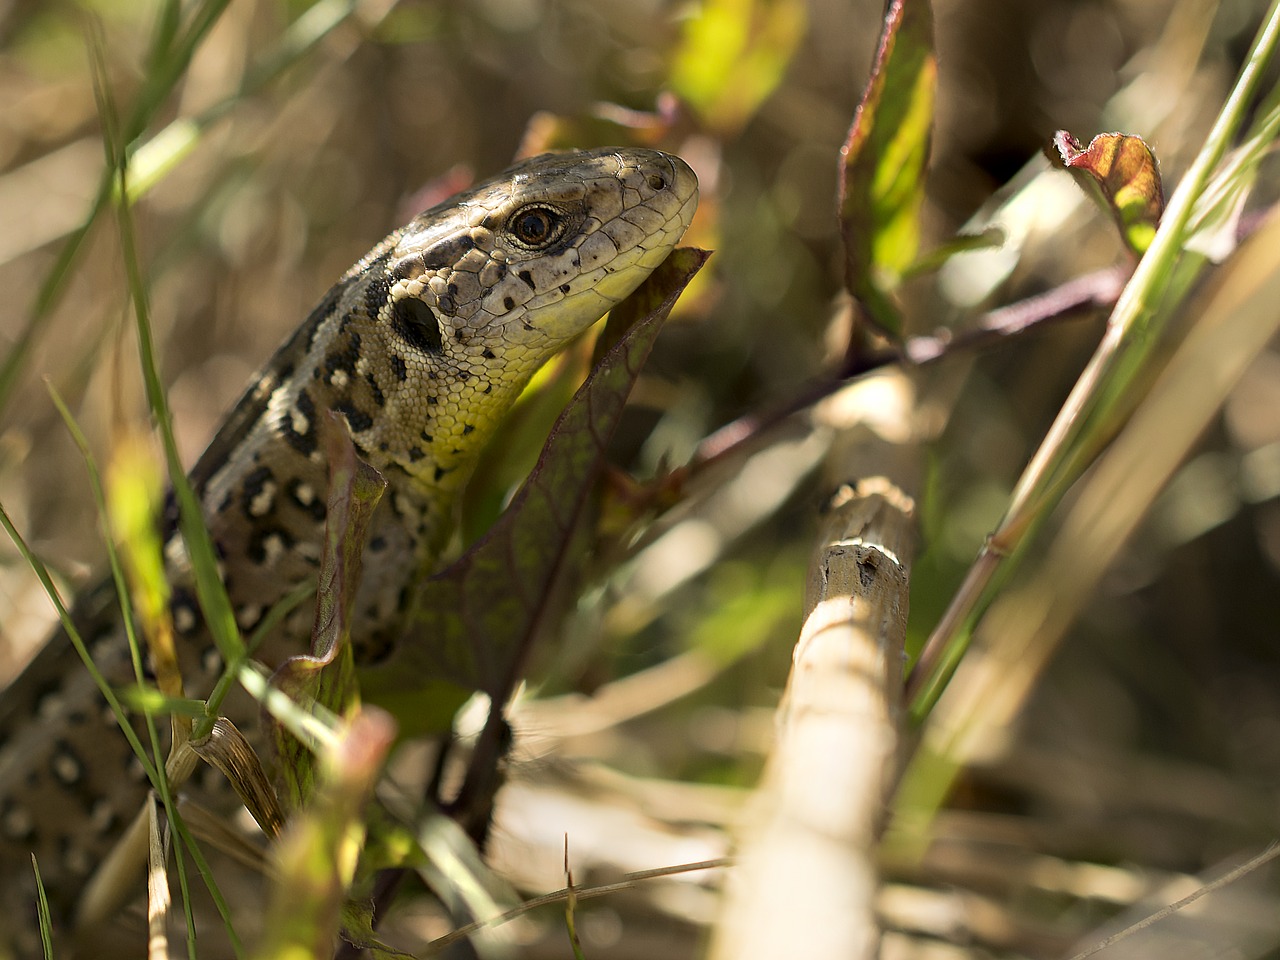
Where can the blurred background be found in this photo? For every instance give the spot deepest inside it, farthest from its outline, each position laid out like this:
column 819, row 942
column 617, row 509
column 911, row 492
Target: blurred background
column 301, row 134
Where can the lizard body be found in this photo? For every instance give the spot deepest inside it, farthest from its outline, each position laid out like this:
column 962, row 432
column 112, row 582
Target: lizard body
column 421, row 347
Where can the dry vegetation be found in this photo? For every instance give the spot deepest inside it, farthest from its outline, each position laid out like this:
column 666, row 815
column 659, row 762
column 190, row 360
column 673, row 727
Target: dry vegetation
column 1102, row 775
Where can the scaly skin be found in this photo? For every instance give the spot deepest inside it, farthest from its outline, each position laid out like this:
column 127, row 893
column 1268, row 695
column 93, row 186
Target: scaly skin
column 421, row 346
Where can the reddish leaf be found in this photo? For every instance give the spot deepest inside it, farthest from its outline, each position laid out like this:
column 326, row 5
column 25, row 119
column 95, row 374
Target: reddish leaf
column 473, row 622
column 1123, row 167
column 884, row 158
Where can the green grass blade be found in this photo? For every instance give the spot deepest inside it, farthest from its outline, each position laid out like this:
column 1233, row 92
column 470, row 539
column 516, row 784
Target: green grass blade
column 46, row 580
column 135, row 648
column 214, row 602
column 42, row 912
column 1108, row 387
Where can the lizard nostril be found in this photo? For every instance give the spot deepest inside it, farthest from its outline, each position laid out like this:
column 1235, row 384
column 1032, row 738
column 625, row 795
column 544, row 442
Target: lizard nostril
column 657, row 181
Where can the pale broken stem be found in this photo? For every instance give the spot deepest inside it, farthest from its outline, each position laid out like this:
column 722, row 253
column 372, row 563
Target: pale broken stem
column 807, row 873
column 157, row 884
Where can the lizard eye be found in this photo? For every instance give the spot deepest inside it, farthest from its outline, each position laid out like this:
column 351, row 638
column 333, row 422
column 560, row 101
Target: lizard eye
column 536, row 226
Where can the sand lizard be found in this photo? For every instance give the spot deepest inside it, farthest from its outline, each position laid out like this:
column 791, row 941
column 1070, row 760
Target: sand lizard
column 421, row 346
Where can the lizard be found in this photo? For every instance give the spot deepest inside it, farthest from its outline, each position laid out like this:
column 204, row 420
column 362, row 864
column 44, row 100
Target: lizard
column 420, row 347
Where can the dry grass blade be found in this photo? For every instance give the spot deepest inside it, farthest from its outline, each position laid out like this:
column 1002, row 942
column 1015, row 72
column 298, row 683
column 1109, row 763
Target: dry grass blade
column 562, row 896
column 1237, row 319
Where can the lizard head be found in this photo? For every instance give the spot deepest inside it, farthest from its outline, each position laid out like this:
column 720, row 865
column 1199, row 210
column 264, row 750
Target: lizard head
column 533, row 257
column 460, row 307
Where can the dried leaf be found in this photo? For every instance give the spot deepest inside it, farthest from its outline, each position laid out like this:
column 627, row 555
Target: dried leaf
column 474, row 621
column 884, row 158
column 227, row 749
column 1123, row 167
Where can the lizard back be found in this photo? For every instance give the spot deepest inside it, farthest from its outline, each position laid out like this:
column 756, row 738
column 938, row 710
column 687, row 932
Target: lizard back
column 421, row 347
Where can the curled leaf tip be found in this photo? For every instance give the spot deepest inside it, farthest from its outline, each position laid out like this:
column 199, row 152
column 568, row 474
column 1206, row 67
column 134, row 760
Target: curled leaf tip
column 1124, row 168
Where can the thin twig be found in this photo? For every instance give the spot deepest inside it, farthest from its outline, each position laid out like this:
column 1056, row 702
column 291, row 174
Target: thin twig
column 1231, row 876
column 579, row 893
column 1068, row 300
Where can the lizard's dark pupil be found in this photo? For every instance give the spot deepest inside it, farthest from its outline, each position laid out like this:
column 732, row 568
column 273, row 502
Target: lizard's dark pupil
column 534, row 226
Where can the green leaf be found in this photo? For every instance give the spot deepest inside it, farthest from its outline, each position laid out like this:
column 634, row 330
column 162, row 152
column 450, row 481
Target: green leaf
column 327, row 675
column 733, row 55
column 1124, row 169
column 988, row 239
column 473, row 623
column 42, row 912
column 883, row 161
